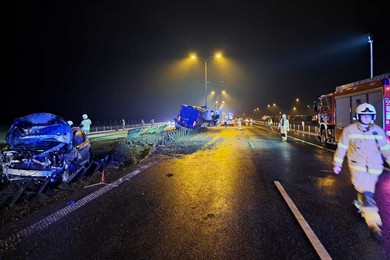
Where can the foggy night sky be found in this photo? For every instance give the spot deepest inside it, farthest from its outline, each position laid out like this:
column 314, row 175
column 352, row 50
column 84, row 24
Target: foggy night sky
column 129, row 59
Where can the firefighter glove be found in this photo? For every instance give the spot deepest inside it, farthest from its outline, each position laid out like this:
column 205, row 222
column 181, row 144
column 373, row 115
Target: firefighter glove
column 337, row 169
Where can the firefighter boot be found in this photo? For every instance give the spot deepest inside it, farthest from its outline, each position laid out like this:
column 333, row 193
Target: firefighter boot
column 358, row 202
column 370, row 214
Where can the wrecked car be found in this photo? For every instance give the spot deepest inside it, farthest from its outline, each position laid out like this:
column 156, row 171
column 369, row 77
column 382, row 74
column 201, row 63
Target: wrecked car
column 43, row 149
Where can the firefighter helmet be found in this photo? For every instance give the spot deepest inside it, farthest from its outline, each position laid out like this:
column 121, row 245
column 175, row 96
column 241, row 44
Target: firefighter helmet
column 365, row 109
column 85, row 116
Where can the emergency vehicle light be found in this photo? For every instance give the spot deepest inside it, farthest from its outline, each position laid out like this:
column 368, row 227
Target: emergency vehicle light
column 385, row 82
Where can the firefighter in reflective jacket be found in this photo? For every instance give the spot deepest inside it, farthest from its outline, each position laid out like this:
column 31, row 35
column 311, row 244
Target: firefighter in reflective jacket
column 364, row 143
column 284, row 126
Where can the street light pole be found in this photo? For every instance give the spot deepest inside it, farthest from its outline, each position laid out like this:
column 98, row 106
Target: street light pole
column 205, row 71
column 205, row 78
column 205, row 74
column 371, row 41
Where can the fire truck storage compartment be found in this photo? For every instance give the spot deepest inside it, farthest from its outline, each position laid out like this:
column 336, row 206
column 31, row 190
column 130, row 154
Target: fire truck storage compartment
column 346, row 106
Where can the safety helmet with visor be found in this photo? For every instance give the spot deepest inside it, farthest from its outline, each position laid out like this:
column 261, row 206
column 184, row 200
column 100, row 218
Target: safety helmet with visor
column 365, row 109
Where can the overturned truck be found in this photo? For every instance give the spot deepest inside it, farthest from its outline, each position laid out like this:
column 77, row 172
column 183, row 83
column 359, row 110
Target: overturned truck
column 193, row 117
column 42, row 150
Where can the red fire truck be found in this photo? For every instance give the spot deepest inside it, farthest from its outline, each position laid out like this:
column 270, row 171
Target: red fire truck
column 336, row 110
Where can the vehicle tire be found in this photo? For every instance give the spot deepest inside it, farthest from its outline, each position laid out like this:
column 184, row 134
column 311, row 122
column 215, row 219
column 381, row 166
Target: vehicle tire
column 323, row 138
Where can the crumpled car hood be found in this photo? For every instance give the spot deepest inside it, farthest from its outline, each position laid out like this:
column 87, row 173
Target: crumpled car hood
column 40, row 131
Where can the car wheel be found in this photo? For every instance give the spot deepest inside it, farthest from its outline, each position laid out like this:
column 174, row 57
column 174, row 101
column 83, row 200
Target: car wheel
column 323, row 138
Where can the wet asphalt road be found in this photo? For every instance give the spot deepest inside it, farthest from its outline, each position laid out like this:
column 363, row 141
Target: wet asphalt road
column 218, row 203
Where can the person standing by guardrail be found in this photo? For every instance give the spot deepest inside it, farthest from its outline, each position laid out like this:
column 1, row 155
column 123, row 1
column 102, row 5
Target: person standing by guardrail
column 85, row 125
column 284, row 126
column 269, row 123
column 239, row 123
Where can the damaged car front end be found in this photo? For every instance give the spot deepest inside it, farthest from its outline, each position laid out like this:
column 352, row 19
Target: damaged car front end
column 42, row 150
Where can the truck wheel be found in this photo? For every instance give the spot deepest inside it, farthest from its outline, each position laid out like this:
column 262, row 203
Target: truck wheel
column 323, row 138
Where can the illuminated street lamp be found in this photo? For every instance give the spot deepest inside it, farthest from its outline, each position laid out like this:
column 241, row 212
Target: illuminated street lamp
column 218, row 55
column 218, row 96
column 273, row 108
column 371, row 41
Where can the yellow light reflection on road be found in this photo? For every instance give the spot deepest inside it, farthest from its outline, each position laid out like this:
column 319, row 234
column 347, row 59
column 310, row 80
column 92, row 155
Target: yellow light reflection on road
column 208, row 181
column 327, row 185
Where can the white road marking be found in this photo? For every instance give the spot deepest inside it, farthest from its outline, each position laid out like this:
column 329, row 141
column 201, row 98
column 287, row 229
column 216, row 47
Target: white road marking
column 210, row 142
column 320, row 249
column 15, row 238
column 251, row 145
column 318, row 146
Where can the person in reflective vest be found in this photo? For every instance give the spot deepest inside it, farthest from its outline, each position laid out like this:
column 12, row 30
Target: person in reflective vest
column 239, row 123
column 85, row 125
column 269, row 123
column 364, row 143
column 284, row 126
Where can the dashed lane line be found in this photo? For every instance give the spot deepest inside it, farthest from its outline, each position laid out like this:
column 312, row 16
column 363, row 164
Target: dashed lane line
column 17, row 237
column 320, row 249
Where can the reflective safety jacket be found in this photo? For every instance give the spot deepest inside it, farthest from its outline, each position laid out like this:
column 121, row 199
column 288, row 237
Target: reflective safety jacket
column 284, row 125
column 364, row 147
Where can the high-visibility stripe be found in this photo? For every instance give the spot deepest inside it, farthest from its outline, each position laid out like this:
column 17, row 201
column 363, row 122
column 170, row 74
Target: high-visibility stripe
column 337, row 159
column 362, row 169
column 385, row 148
column 343, row 146
column 370, row 137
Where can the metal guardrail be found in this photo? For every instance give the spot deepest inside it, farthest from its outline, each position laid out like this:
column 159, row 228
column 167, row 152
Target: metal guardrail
column 303, row 128
column 104, row 129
